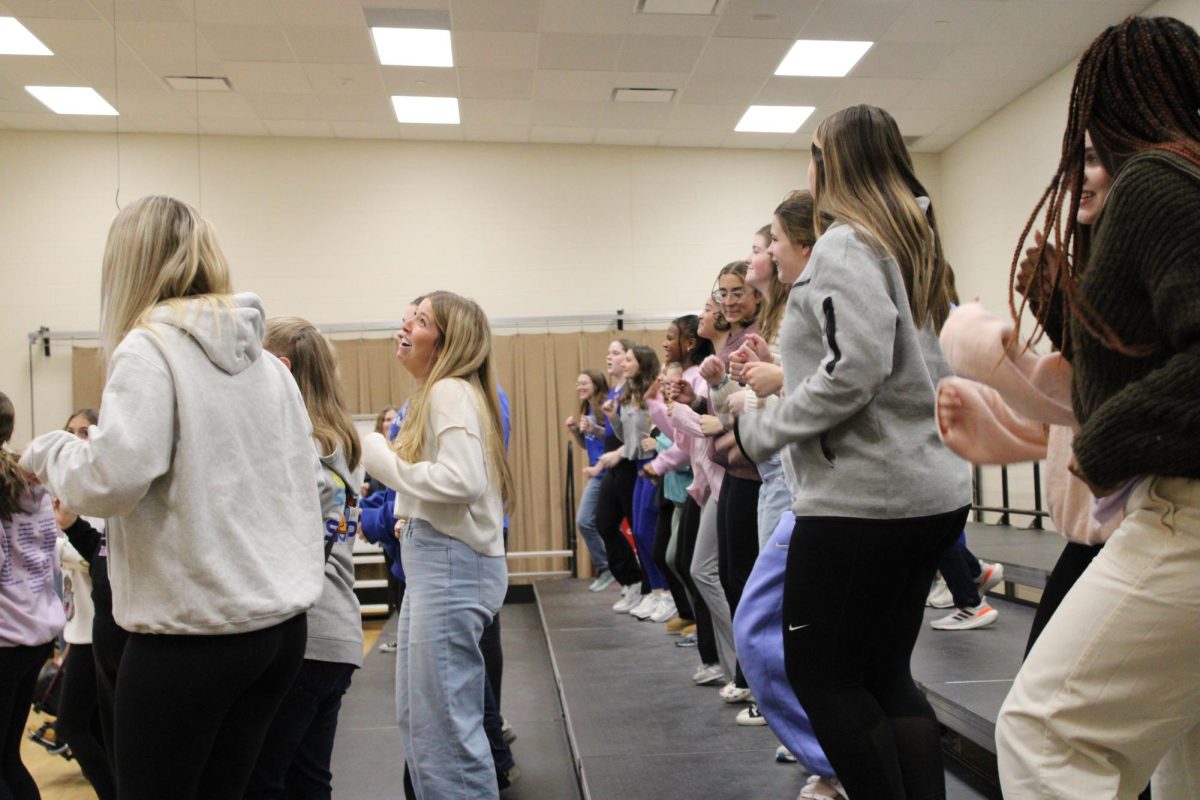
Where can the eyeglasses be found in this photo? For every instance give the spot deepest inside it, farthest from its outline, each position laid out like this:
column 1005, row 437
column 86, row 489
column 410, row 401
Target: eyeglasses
column 721, row 295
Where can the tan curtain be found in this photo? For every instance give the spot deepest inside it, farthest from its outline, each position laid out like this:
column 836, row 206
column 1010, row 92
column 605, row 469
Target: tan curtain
column 87, row 377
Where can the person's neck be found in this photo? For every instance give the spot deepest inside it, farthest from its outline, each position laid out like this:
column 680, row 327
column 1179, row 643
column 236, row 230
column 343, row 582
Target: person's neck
column 720, row 339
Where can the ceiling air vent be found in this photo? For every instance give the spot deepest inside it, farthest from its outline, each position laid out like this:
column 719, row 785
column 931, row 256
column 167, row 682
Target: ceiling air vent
column 198, row 83
column 633, row 95
column 705, row 7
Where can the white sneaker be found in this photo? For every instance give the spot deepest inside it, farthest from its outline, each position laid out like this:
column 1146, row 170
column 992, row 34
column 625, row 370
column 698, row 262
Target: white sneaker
column 665, row 610
column 647, row 606
column 631, row 595
column 736, row 695
column 965, row 619
column 939, row 595
column 750, row 717
column 990, row 576
column 602, row 582
column 708, row 674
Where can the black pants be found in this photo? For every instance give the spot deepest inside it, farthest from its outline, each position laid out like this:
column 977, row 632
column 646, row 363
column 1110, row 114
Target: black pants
column 960, row 568
column 108, row 644
column 1067, row 570
column 853, row 605
column 19, row 667
column 493, row 656
column 737, row 541
column 662, row 540
column 297, row 750
column 192, row 711
column 685, row 548
column 616, row 503
column 79, row 720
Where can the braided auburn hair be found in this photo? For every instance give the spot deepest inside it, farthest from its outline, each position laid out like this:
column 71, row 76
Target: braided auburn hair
column 1137, row 88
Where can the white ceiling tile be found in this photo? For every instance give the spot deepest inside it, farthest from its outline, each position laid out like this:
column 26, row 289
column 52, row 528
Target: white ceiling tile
column 41, row 71
column 787, row 90
column 637, row 115
column 158, row 103
column 355, row 107
column 672, row 24
column 765, row 19
column 902, row 60
column 14, row 99
column 684, row 138
column 157, row 123
column 417, row 5
column 578, row 51
column 885, row 92
column 979, row 61
column 96, row 124
column 331, row 45
column 285, row 106
column 495, row 112
column 509, row 84
column 345, row 78
column 495, row 49
column 340, row 13
column 651, row 80
column 146, row 10
column 267, row 77
column 660, row 53
column 246, row 42
column 764, row 141
column 292, row 127
column 920, row 121
column 169, row 48
column 579, row 85
column 1055, row 23
column 366, row 130
column 706, row 117
column 224, row 105
column 981, row 94
column 556, row 113
column 495, row 15
column 237, row 12
column 74, row 38
column 933, row 144
column 947, row 21
column 48, row 121
column 721, row 90
column 586, row 16
column 853, row 21
column 732, row 56
column 132, row 74
column 1039, row 62
column 420, row 81
column 561, row 135
column 963, row 122
column 496, row 133
column 228, row 126
column 451, row 133
column 639, row 138
column 51, row 9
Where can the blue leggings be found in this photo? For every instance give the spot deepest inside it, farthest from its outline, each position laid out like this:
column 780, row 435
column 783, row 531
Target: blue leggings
column 645, row 521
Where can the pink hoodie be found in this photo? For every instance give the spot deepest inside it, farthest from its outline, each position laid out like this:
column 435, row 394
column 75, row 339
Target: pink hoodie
column 691, row 446
column 30, row 612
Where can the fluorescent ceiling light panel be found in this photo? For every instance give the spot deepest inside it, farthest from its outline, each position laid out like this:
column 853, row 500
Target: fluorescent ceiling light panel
column 81, row 100
column 774, row 119
column 428, row 110
column 822, row 59
column 413, row 47
column 16, row 40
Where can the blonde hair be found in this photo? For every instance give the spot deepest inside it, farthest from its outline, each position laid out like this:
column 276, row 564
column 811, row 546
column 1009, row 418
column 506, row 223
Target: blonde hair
column 464, row 350
column 159, row 250
column 774, row 300
column 865, row 179
column 315, row 372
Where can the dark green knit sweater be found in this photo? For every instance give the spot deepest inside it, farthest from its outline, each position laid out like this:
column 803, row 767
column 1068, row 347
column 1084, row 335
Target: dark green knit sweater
column 1141, row 415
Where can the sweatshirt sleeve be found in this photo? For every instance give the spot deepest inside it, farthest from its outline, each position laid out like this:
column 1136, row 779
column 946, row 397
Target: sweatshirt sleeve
column 987, row 431
column 458, row 471
column 849, row 295
column 84, row 538
column 131, row 447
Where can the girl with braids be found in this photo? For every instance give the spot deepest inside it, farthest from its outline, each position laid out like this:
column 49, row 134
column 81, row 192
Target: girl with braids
column 1111, row 685
column 31, row 615
column 879, row 497
column 452, row 483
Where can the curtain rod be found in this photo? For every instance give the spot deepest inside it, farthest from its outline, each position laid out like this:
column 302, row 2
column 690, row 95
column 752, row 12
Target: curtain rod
column 390, row 326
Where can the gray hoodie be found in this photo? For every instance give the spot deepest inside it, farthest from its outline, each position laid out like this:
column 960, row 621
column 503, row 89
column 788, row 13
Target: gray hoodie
column 335, row 622
column 857, row 414
column 204, row 465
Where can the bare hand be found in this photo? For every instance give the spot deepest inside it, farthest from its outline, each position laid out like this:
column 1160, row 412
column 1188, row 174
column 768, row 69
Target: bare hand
column 758, row 344
column 652, row 392
column 712, row 370
column 1032, row 284
column 649, row 444
column 737, row 403
column 739, row 359
column 683, row 392
column 949, row 407
column 609, row 408
column 728, row 444
column 648, row 472
column 594, row 470
column 64, row 516
column 710, row 425
column 572, row 425
column 764, row 379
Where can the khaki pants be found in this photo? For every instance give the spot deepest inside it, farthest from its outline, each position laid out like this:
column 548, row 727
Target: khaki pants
column 1112, row 687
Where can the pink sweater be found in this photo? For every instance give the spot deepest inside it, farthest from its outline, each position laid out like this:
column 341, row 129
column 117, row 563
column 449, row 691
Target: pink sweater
column 1016, row 407
column 30, row 611
column 691, row 445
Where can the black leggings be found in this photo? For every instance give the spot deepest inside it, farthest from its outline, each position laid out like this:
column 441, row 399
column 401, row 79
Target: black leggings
column 689, row 526
column 614, row 504
column 960, row 568
column 662, row 541
column 191, row 711
column 19, row 667
column 108, row 644
column 853, row 604
column 737, row 542
column 79, row 720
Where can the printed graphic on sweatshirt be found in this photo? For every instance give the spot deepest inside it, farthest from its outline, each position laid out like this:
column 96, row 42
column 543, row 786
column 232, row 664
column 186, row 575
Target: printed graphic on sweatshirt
column 29, row 554
column 342, row 524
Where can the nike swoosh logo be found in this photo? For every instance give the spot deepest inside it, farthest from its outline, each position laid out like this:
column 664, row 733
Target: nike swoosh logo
column 798, row 627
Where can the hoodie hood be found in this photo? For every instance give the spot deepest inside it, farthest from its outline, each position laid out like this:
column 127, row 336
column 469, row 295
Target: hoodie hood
column 230, row 335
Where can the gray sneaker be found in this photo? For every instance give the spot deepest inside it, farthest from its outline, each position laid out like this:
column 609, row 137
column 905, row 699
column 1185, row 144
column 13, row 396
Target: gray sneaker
column 602, row 582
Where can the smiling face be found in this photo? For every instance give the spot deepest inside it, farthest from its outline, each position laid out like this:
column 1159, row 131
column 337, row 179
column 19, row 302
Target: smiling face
column 584, row 388
column 707, row 327
column 672, row 349
column 614, row 360
column 790, row 260
column 417, row 342
column 760, row 265
column 738, row 301
column 630, row 365
column 1096, row 182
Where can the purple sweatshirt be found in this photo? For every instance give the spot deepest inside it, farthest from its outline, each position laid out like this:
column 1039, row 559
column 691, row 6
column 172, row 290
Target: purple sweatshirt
column 30, row 612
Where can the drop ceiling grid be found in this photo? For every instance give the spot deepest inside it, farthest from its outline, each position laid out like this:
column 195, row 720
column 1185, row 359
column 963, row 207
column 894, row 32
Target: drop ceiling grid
column 542, row 70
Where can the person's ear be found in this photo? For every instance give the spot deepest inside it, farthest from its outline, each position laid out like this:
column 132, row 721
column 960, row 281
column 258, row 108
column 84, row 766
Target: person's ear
column 287, row 362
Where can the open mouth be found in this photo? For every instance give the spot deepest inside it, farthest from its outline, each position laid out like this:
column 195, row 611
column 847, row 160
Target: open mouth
column 1085, row 196
column 404, row 342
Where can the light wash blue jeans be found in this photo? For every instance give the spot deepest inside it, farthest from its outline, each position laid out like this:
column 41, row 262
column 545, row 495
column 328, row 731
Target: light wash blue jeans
column 452, row 594
column 585, row 523
column 773, row 498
